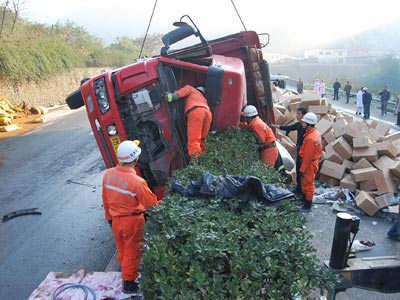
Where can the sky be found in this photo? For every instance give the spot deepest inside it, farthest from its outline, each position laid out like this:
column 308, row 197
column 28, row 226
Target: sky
column 290, row 23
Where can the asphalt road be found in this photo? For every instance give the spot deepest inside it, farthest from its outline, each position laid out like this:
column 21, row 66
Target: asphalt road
column 71, row 233
column 321, row 221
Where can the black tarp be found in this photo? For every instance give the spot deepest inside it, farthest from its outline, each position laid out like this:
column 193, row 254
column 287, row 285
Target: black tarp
column 246, row 188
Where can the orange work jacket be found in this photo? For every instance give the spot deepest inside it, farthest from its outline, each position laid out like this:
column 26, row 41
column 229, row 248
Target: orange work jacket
column 125, row 193
column 263, row 131
column 311, row 150
column 194, row 98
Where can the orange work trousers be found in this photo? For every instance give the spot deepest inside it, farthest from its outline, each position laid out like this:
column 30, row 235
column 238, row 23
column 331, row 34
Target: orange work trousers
column 198, row 125
column 269, row 155
column 128, row 235
column 307, row 180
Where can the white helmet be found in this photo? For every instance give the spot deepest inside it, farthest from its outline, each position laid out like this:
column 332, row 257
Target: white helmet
column 201, row 89
column 310, row 118
column 250, row 111
column 128, row 151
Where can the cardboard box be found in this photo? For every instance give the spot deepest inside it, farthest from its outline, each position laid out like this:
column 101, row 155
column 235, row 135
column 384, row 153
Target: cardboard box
column 386, row 200
column 396, row 143
column 368, row 185
column 366, row 203
column 323, row 126
column 371, row 123
column 348, row 117
column 318, row 109
column 342, row 148
column 332, row 169
column 329, row 137
column 384, row 181
column 310, row 99
column 294, row 99
column 279, row 117
column 294, row 106
column 392, row 137
column 384, row 162
column 281, row 108
column 385, row 148
column 374, row 135
column 362, row 174
column 370, row 154
column 332, row 155
column 289, row 117
column 348, row 183
column 382, row 129
column 361, row 142
column 361, row 164
column 339, row 126
column 396, row 169
column 349, row 133
column 328, row 180
column 348, row 164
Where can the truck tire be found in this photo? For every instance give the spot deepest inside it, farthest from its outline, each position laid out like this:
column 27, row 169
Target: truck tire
column 75, row 100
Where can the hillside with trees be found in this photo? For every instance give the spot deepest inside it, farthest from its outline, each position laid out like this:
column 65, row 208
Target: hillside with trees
column 42, row 64
column 34, row 52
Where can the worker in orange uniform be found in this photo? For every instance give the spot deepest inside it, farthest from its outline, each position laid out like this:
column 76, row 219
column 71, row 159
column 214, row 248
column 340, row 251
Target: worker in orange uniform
column 268, row 150
column 198, row 116
column 310, row 153
column 125, row 197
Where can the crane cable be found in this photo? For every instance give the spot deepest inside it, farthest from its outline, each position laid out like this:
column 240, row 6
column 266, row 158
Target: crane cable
column 239, row 15
column 148, row 26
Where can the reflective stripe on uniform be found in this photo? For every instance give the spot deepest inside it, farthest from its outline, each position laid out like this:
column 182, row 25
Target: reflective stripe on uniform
column 117, row 189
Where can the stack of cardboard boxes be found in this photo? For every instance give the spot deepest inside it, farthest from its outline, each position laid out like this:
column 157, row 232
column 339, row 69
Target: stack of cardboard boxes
column 360, row 155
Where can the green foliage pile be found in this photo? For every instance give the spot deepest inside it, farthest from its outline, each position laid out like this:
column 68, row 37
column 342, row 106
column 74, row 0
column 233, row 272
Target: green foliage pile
column 33, row 52
column 213, row 248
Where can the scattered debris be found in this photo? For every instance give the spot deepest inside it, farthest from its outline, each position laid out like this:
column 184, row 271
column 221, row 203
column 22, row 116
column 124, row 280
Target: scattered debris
column 21, row 212
column 362, row 245
column 10, row 128
column 360, row 156
column 80, row 183
column 10, row 114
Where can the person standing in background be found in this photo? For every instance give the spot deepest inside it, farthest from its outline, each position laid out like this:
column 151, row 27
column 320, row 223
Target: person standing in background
column 336, row 87
column 316, row 86
column 385, row 96
column 301, row 111
column 398, row 110
column 347, row 89
column 300, row 86
column 359, row 103
column 367, row 98
column 322, row 89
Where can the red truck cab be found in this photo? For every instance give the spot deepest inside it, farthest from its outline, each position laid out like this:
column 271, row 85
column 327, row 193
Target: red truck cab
column 128, row 103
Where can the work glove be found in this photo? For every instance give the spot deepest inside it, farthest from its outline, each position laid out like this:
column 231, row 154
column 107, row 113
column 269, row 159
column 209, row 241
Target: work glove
column 171, row 97
column 110, row 222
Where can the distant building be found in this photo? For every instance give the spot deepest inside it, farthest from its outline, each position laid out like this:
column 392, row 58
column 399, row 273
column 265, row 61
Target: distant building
column 338, row 56
column 276, row 57
column 326, row 56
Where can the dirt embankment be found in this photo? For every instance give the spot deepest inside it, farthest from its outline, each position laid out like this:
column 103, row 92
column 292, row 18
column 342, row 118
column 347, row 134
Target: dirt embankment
column 49, row 93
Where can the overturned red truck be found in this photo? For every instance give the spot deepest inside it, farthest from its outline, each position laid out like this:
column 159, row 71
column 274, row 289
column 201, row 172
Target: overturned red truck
column 128, row 103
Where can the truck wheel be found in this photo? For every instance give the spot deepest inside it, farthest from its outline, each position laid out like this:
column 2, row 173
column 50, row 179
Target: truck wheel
column 75, row 100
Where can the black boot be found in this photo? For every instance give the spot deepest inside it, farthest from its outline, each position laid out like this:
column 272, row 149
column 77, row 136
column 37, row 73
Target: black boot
column 130, row 287
column 306, row 206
